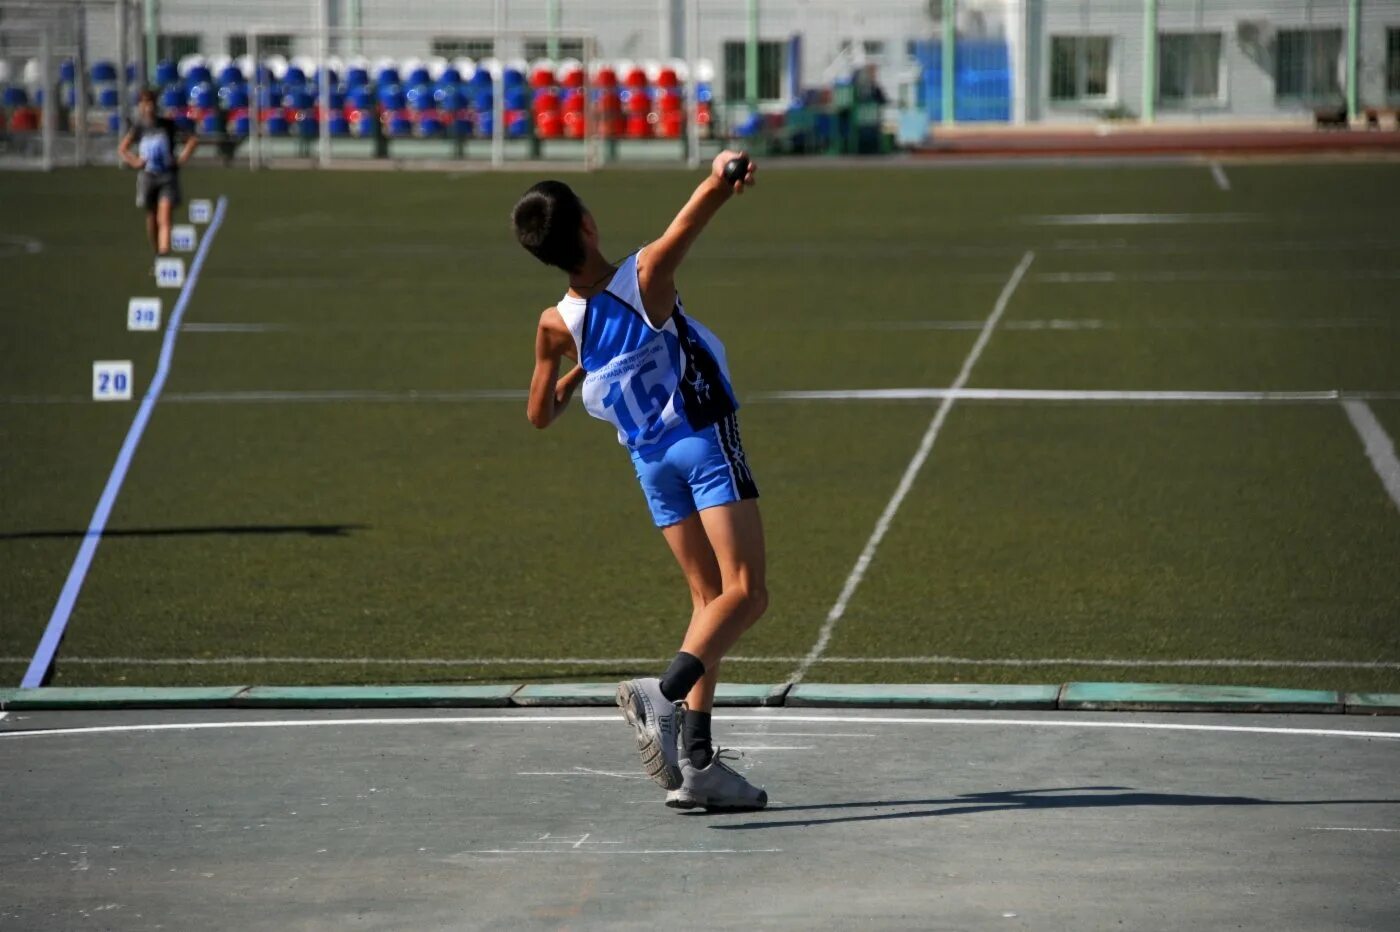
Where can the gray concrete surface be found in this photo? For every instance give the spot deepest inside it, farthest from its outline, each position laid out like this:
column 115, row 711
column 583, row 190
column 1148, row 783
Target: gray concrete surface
column 538, row 819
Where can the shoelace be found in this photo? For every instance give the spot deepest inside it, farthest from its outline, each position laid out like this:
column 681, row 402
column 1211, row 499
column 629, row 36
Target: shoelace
column 723, row 754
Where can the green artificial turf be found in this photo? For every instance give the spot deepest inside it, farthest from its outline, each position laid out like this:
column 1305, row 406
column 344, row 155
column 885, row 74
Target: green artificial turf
column 450, row 530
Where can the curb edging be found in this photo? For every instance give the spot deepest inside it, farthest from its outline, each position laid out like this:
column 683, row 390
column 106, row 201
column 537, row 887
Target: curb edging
column 1069, row 697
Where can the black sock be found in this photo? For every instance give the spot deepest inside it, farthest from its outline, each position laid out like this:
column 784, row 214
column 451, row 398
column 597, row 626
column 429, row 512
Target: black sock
column 695, row 729
column 685, row 671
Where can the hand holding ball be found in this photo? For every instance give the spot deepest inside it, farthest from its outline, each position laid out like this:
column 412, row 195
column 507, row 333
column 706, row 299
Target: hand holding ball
column 735, row 169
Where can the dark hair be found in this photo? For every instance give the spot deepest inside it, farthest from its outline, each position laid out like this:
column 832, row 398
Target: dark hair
column 548, row 221
column 146, row 94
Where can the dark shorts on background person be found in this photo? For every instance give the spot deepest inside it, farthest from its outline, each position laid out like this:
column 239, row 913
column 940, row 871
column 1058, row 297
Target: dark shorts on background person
column 152, row 189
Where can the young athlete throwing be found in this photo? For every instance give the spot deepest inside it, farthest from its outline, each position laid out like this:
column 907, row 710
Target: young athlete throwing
column 661, row 379
column 154, row 139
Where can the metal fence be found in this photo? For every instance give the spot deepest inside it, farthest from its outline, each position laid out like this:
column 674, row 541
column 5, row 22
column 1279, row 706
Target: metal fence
column 670, row 79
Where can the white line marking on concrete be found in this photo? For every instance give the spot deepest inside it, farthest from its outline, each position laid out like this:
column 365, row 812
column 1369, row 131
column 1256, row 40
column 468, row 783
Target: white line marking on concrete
column 555, row 719
column 1081, row 220
column 1339, row 828
column 1217, row 171
column 1380, row 449
column 614, row 852
column 766, row 747
column 580, row 772
column 911, row 472
column 1225, row 662
column 801, row 734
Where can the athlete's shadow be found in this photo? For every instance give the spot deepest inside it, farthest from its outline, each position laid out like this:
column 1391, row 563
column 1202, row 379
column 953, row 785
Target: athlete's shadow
column 1069, row 797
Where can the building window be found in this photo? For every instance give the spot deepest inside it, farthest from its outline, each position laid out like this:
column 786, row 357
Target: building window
column 539, row 48
column 267, row 45
column 1308, row 64
column 1188, row 67
column 1392, row 62
column 463, row 47
column 173, row 46
column 1081, row 68
column 873, row 48
column 770, row 70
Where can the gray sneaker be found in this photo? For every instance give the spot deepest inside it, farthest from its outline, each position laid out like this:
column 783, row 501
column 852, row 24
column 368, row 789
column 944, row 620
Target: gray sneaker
column 656, row 723
column 716, row 787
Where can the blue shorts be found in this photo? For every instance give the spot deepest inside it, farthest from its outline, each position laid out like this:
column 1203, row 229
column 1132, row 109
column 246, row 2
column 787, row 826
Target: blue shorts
column 698, row 471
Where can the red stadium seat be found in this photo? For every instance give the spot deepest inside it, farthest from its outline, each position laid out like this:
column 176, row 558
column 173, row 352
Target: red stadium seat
column 541, row 78
column 573, row 124
column 672, row 124
column 636, row 101
column 638, row 127
column 635, row 78
column 605, row 78
column 549, row 124
column 668, row 78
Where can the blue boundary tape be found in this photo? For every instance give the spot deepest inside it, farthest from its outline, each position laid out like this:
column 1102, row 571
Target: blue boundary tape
column 44, row 655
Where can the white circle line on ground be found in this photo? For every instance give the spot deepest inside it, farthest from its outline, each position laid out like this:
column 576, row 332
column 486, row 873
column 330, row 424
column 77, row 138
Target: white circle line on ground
column 757, row 717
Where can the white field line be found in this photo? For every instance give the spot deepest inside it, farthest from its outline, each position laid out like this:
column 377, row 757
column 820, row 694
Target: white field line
column 611, row 720
column 1093, row 396
column 1217, row 171
column 911, row 472
column 613, row 852
column 1212, row 275
column 925, row 659
column 1121, row 220
column 1340, row 828
column 1380, row 449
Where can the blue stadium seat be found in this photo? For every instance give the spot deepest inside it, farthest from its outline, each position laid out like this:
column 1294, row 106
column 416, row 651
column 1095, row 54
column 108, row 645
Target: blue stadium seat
column 360, row 97
column 462, row 123
column 203, row 96
column 15, row 97
column 419, row 76
column 356, row 77
column 430, row 124
column 519, row 125
column 387, row 76
column 171, row 97
column 485, row 123
column 339, row 125
column 420, row 97
column 210, row 123
column 398, row 124
column 330, row 73
column 233, row 96
column 294, row 77
column 276, row 124
column 67, row 71
column 392, row 97
column 229, row 76
column 108, row 97
column 114, row 123
column 167, row 73
column 517, row 98
column 240, row 123
column 298, row 98
column 449, row 97
column 450, row 75
column 199, row 74
column 513, row 77
column 103, row 72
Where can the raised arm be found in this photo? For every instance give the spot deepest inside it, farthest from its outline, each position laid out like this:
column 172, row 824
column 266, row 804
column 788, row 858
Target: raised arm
column 658, row 262
column 549, row 394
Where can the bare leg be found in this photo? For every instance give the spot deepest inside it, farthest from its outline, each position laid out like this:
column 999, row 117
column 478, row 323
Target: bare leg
column 697, row 560
column 163, row 211
column 152, row 230
column 735, row 534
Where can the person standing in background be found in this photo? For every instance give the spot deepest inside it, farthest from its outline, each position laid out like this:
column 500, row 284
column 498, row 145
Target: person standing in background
column 150, row 149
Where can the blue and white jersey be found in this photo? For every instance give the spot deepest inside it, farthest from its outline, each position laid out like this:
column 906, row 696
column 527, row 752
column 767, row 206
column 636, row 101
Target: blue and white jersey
column 655, row 385
column 157, row 147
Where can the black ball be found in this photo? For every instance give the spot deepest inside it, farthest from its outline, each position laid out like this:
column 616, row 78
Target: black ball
column 736, row 169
